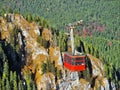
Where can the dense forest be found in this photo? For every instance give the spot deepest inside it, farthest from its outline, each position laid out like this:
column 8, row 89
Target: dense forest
column 99, row 34
column 61, row 12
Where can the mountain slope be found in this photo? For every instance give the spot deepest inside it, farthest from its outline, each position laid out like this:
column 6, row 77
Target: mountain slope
column 43, row 60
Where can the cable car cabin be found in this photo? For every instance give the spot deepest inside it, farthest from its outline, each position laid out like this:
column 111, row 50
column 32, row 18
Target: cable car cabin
column 74, row 62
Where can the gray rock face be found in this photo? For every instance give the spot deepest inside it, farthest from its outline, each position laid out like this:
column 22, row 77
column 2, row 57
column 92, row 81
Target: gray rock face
column 47, row 83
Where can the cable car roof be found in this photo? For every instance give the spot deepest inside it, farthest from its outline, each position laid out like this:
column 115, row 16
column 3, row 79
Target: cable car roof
column 82, row 55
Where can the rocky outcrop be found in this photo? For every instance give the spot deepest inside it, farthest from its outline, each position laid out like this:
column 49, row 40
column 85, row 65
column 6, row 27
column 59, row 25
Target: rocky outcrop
column 33, row 54
column 46, row 82
column 97, row 66
column 5, row 29
column 55, row 55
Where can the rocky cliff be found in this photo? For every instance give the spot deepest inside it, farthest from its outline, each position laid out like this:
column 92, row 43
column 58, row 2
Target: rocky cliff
column 34, row 55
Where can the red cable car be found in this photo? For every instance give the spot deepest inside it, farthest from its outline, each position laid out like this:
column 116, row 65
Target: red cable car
column 75, row 62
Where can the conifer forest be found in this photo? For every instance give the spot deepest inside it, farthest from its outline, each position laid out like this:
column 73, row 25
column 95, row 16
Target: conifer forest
column 33, row 41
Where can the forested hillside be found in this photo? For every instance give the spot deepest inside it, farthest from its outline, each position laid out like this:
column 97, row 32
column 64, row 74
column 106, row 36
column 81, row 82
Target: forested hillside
column 61, row 12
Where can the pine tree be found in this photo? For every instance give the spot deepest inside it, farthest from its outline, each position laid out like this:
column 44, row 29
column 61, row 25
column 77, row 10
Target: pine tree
column 48, row 65
column 39, row 40
column 7, row 84
column 20, row 85
column 0, row 84
column 33, row 86
column 11, row 79
column 14, row 81
column 5, row 71
column 2, row 54
column 3, row 84
column 43, row 66
column 28, row 80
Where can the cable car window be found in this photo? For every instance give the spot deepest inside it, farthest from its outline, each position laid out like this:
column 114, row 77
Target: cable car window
column 73, row 63
column 78, row 63
column 65, row 57
column 69, row 60
column 80, row 58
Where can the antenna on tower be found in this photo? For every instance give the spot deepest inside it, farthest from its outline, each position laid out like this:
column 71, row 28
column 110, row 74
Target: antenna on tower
column 72, row 27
